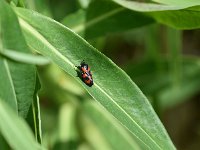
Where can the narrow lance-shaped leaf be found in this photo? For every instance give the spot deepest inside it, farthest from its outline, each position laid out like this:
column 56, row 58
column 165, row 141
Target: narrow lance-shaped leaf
column 24, row 57
column 178, row 16
column 114, row 133
column 34, row 118
column 146, row 7
column 112, row 87
column 17, row 80
column 185, row 3
column 181, row 19
column 15, row 130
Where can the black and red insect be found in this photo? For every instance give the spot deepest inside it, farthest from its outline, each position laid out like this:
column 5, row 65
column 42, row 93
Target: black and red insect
column 85, row 74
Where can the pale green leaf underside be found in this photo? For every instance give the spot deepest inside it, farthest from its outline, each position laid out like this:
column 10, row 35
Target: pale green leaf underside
column 164, row 6
column 112, row 87
column 146, row 7
column 174, row 14
column 183, row 3
column 24, row 57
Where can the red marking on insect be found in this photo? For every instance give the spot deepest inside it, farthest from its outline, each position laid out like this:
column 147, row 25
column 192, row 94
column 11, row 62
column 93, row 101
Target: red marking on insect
column 85, row 74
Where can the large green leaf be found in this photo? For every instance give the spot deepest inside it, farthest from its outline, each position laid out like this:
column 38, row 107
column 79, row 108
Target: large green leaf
column 116, row 16
column 178, row 16
column 17, row 79
column 180, row 19
column 112, row 87
column 109, row 18
column 15, row 130
column 114, row 133
column 186, row 3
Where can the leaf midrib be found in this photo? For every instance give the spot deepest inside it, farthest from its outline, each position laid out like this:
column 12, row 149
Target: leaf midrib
column 128, row 117
column 35, row 33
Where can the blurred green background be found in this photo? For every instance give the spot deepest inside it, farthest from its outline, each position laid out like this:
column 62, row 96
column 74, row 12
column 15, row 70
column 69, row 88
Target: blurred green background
column 162, row 61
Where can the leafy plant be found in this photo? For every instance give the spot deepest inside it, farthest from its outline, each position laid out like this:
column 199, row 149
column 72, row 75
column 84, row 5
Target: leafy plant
column 31, row 42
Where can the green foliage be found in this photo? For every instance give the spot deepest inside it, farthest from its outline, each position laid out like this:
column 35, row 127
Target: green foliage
column 17, row 79
column 121, row 138
column 15, row 130
column 185, row 3
column 109, row 87
column 31, row 42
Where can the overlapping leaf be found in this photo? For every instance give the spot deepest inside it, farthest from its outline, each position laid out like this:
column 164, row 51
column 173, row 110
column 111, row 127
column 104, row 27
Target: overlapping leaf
column 115, row 134
column 17, row 80
column 174, row 14
column 120, row 15
column 109, row 18
column 15, row 130
column 184, row 3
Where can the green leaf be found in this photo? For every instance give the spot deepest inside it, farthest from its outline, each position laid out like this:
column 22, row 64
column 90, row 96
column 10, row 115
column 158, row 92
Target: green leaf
column 17, row 80
column 171, row 96
column 41, row 6
column 174, row 42
column 24, row 57
column 3, row 143
column 112, row 87
column 15, row 130
column 76, row 21
column 67, row 123
column 106, row 19
column 180, row 19
column 116, row 135
column 34, row 118
column 111, row 17
column 158, row 83
column 17, row 2
column 92, row 135
column 145, row 7
column 186, row 3
column 14, row 1
column 178, row 16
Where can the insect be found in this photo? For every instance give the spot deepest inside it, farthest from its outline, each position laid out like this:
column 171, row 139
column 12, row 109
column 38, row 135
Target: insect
column 85, row 74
